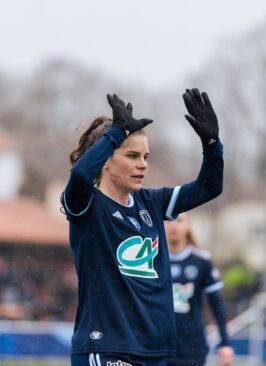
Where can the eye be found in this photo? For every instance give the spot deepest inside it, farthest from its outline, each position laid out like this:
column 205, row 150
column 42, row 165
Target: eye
column 146, row 157
column 132, row 156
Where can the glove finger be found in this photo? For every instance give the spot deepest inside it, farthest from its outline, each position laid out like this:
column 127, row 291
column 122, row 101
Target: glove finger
column 192, row 120
column 130, row 107
column 110, row 100
column 189, row 91
column 141, row 123
column 145, row 122
column 190, row 104
column 197, row 96
column 207, row 100
column 119, row 101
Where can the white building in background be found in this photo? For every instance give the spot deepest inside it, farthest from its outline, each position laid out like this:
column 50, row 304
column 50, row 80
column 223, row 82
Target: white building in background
column 237, row 231
column 242, row 232
column 11, row 167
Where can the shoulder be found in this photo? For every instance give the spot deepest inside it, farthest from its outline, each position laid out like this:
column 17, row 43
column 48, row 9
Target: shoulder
column 201, row 253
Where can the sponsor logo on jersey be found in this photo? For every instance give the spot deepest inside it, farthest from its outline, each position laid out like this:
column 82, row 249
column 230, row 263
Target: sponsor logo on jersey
column 96, row 335
column 118, row 363
column 134, row 222
column 136, row 257
column 191, row 272
column 145, row 216
column 181, row 294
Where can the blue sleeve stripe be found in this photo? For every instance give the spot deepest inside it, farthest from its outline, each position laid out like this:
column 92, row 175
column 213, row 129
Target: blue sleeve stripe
column 215, row 287
column 81, row 212
column 170, row 208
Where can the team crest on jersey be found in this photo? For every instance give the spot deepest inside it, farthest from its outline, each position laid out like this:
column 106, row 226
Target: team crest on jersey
column 176, row 270
column 181, row 294
column 136, row 257
column 191, row 272
column 145, row 216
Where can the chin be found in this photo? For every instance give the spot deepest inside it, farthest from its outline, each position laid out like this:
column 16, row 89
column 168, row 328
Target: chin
column 136, row 187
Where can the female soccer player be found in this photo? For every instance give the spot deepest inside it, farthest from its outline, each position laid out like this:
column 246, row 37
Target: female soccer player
column 193, row 275
column 125, row 314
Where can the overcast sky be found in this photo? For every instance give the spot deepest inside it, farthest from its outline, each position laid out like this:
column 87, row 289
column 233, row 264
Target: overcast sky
column 155, row 42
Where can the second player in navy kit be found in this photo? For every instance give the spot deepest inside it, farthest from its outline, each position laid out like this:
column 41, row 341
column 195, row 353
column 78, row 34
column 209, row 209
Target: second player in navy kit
column 125, row 309
column 194, row 276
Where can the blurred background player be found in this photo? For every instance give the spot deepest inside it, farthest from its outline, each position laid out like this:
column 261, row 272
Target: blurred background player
column 194, row 275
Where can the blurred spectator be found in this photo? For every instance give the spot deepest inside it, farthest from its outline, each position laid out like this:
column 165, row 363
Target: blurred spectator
column 29, row 285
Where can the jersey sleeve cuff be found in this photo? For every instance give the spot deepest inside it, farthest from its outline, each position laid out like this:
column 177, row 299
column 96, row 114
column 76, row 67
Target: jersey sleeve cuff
column 214, row 287
column 169, row 212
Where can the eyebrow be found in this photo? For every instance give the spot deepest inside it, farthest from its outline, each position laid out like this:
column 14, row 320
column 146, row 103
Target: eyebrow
column 136, row 152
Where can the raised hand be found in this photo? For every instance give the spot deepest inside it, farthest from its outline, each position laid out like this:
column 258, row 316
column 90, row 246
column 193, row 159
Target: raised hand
column 122, row 115
column 201, row 115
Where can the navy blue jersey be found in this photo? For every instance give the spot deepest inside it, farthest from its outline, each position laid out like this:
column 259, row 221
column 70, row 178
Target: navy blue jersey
column 194, row 275
column 125, row 301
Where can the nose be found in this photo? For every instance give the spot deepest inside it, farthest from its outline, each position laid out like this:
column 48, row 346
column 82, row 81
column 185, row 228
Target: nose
column 143, row 164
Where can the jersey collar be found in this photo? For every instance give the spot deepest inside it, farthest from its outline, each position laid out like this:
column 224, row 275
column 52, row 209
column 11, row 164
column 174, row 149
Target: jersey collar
column 130, row 200
column 182, row 255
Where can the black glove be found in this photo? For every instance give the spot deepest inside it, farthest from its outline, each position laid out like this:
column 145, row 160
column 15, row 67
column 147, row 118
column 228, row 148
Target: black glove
column 201, row 116
column 122, row 115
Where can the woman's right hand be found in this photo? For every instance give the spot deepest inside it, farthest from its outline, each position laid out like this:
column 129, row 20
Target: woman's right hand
column 122, row 115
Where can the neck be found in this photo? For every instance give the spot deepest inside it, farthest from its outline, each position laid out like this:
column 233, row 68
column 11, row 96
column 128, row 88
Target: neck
column 177, row 247
column 118, row 196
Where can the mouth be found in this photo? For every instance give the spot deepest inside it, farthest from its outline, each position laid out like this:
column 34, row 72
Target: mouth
column 138, row 176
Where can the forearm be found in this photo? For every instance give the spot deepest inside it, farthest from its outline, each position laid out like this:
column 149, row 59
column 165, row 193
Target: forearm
column 79, row 188
column 218, row 309
column 209, row 183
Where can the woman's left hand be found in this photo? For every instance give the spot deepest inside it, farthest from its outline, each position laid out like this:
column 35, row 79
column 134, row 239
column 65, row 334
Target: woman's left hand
column 201, row 115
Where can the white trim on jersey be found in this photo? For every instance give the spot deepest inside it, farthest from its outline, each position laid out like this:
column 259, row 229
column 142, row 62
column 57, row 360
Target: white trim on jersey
column 214, row 287
column 130, row 200
column 98, row 359
column 171, row 205
column 91, row 360
column 81, row 212
column 182, row 255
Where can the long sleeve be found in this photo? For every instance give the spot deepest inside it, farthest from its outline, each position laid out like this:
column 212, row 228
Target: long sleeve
column 78, row 192
column 209, row 183
column 218, row 309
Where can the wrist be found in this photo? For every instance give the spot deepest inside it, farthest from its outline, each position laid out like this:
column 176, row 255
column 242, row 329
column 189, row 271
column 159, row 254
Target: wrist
column 209, row 141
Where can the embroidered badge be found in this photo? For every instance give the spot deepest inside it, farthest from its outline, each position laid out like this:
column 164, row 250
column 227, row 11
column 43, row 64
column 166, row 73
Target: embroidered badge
column 145, row 216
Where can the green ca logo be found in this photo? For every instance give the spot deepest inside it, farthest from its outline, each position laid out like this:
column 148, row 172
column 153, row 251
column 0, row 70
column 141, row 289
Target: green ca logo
column 136, row 256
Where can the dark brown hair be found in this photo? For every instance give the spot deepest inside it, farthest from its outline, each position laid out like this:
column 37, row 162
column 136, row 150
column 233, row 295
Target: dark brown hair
column 191, row 239
column 94, row 131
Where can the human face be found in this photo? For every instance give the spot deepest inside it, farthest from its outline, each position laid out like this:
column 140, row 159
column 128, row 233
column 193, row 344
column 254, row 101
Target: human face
column 177, row 231
column 125, row 171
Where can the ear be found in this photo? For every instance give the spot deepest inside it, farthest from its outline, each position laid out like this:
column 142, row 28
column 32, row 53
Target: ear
column 107, row 164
